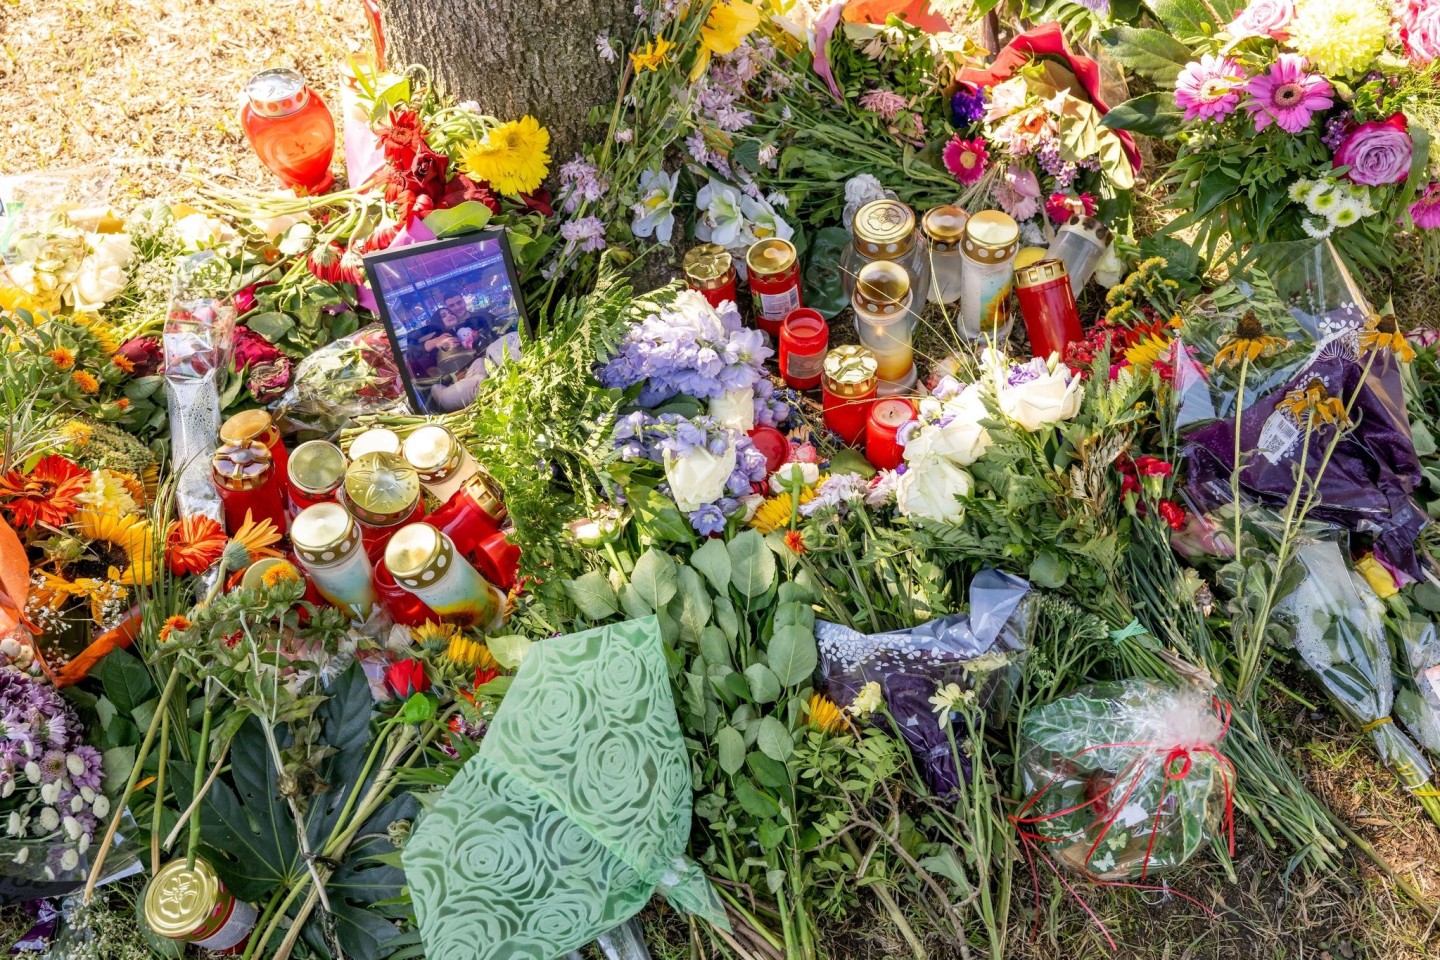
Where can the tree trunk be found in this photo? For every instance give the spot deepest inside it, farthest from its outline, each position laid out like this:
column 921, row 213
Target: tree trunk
column 514, row 57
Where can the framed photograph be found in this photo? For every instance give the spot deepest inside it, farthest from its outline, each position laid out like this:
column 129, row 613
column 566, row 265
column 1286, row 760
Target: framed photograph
column 453, row 310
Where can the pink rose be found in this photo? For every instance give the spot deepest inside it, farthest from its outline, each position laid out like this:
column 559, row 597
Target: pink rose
column 1263, row 18
column 1377, row 152
column 1420, row 29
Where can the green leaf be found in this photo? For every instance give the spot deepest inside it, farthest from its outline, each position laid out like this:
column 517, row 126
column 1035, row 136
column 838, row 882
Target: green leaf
column 1183, row 18
column 764, row 685
column 594, row 596
column 713, row 645
column 634, row 604
column 657, row 517
column 1154, row 115
column 693, row 602
column 393, row 95
column 754, row 802
column 792, row 654
column 467, row 217
column 419, row 708
column 713, row 560
column 771, row 773
column 272, row 326
column 117, row 762
column 508, row 650
column 752, row 565
column 774, row 739
column 730, row 746
column 654, row 578
column 126, row 681
column 1150, row 53
column 726, row 616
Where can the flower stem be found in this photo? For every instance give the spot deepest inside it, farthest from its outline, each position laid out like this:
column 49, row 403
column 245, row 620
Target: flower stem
column 198, row 785
column 158, row 810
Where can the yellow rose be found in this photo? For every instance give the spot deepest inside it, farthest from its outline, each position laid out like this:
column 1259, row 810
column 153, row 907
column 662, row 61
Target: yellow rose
column 1377, row 576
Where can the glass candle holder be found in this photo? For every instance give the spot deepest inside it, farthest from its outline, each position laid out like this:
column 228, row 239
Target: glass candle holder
column 848, row 391
column 442, row 462
column 885, row 229
column 882, row 446
column 424, row 561
column 328, row 545
column 992, row 239
column 290, row 129
column 1080, row 244
column 944, row 227
column 474, row 519
column 375, row 440
column 804, row 336
column 383, row 494
column 885, row 321
column 244, row 475
column 316, row 471
column 1047, row 305
column 774, row 269
column 189, row 903
column 256, row 425
column 710, row 269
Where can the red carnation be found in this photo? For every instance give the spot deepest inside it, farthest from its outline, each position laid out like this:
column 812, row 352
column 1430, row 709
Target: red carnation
column 1153, row 467
column 1173, row 513
column 144, row 353
column 406, row 678
column 334, row 263
column 400, row 136
column 539, row 202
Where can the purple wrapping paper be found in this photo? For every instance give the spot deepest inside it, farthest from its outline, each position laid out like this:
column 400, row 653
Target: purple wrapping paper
column 911, row 664
column 1366, row 488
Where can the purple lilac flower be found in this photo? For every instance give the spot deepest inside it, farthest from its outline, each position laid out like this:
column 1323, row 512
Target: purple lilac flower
column 1062, row 171
column 692, row 351
column 588, row 232
column 967, row 106
column 1336, row 128
column 579, row 183
column 708, row 520
column 695, row 144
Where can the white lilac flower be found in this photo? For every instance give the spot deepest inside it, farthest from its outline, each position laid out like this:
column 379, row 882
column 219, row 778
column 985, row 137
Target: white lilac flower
column 655, row 212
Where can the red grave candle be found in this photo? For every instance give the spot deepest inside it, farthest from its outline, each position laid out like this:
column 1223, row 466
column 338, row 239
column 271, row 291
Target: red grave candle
column 773, row 444
column 848, row 385
column 1047, row 305
column 290, row 129
column 403, row 606
column 804, row 335
column 474, row 521
column 886, row 418
column 710, row 269
column 774, row 282
column 244, row 475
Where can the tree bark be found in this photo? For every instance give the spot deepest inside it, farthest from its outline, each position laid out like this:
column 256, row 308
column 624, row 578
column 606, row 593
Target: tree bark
column 515, row 57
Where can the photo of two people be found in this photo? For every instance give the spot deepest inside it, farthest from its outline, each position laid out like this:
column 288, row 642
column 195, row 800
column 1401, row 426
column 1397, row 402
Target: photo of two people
column 453, row 315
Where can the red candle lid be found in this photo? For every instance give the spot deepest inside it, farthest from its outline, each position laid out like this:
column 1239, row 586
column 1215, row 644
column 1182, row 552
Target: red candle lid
column 773, row 444
column 894, row 412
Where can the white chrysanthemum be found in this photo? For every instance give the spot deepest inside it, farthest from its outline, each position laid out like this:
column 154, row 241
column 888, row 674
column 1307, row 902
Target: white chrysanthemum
column 1322, row 198
column 1300, row 190
column 1317, row 228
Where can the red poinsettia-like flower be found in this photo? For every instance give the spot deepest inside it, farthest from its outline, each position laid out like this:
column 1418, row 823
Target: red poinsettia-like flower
column 334, row 263
column 45, row 495
column 194, row 544
column 400, row 135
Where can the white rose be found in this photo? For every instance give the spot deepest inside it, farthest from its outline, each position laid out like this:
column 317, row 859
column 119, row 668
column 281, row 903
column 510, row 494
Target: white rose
column 690, row 311
column 931, row 488
column 101, row 275
column 1046, row 400
column 298, row 238
column 962, row 439
column 699, row 477
column 272, row 227
column 1110, row 270
column 199, row 232
column 805, row 473
column 735, row 409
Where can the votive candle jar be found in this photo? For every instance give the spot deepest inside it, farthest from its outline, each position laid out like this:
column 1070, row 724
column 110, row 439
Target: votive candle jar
column 804, row 337
column 383, row 494
column 424, row 561
column 244, row 475
column 1047, row 305
column 848, row 391
column 328, row 545
column 441, row 461
column 991, row 240
column 1080, row 244
column 474, row 518
column 316, row 471
column 710, row 270
column 257, row 425
column 885, row 319
column 882, row 445
column 290, row 129
column 774, row 269
column 944, row 228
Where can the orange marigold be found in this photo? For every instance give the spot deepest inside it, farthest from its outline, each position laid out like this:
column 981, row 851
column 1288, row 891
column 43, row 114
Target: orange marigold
column 193, row 544
column 174, row 623
column 62, row 357
column 123, row 362
column 85, row 381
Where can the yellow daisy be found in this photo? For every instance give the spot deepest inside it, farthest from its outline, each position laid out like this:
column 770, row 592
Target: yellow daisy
column 1248, row 340
column 512, row 158
column 824, row 715
column 1383, row 333
column 1314, row 402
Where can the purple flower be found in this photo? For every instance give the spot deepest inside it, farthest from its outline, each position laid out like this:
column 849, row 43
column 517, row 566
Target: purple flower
column 1209, row 88
column 52, row 766
column 1377, row 152
column 93, row 773
column 1286, row 95
column 1425, row 211
column 579, row 183
column 1336, row 128
column 967, row 106
column 588, row 232
column 708, row 520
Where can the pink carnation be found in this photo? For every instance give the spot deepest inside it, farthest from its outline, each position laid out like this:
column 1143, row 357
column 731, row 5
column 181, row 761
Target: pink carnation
column 1209, row 88
column 966, row 159
column 1425, row 211
column 1263, row 18
column 1286, row 95
column 1377, row 152
column 1420, row 30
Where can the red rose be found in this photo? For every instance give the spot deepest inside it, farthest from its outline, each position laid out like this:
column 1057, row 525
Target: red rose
column 462, row 189
column 145, row 353
column 400, row 136
column 427, row 172
column 251, row 348
column 1173, row 513
column 244, row 300
column 335, row 264
column 406, row 678
column 539, row 202
column 1153, row 467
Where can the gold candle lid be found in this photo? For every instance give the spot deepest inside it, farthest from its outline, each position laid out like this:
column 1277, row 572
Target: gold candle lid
column 486, row 493
column 884, row 229
column 708, row 266
column 419, row 555
column 1029, row 255
column 375, row 440
column 434, row 453
column 991, row 236
column 944, row 226
column 850, row 370
column 242, row 466
column 245, row 426
column 317, row 467
column 381, row 488
column 324, row 533
column 179, row 899
column 882, row 289
column 766, row 258
column 1042, row 271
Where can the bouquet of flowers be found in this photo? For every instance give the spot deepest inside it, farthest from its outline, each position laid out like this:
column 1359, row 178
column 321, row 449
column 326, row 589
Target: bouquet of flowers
column 1296, row 118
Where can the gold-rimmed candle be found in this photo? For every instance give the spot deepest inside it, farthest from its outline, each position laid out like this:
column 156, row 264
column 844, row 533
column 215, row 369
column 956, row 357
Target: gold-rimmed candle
column 440, row 459
column 848, row 388
column 991, row 241
column 885, row 319
column 425, row 562
column 329, row 546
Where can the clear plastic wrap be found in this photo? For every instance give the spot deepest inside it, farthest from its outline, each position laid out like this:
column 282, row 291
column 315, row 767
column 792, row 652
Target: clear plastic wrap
column 352, row 377
column 1417, row 702
column 980, row 651
column 1125, row 779
column 42, row 869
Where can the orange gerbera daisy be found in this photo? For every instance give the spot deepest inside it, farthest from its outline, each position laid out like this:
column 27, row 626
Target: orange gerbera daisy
column 193, row 544
column 123, row 362
column 62, row 357
column 251, row 542
column 85, row 381
column 45, row 495
column 172, row 624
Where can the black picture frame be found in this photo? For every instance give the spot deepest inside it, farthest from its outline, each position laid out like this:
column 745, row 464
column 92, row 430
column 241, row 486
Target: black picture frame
column 414, row 282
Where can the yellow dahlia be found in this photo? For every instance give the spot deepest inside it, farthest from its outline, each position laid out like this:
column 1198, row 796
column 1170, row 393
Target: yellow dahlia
column 512, row 157
column 1339, row 37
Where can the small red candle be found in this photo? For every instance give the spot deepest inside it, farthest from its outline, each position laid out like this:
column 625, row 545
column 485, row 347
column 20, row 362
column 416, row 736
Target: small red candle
column 1047, row 305
column 886, row 418
column 244, row 475
column 848, row 386
column 710, row 269
column 404, row 607
column 773, row 444
column 804, row 335
column 774, row 282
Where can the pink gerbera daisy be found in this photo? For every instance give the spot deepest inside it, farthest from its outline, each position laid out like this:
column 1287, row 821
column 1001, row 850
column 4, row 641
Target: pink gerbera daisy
column 1209, row 88
column 1286, row 95
column 1425, row 211
column 966, row 159
column 1060, row 207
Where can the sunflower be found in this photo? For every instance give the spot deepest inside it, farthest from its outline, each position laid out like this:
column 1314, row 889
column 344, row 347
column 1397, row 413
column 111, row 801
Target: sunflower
column 465, row 652
column 130, row 534
column 62, row 357
column 774, row 513
column 251, row 542
column 86, row 381
column 45, row 495
column 824, row 715
column 1313, row 402
column 435, row 634
column 193, row 544
column 1248, row 341
column 655, row 55
column 512, row 158
column 1383, row 333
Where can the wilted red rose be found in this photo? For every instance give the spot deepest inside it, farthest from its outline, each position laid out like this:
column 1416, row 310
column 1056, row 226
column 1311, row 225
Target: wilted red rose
column 251, row 348
column 406, row 678
column 334, row 263
column 267, row 381
column 400, row 135
column 244, row 300
column 427, row 172
column 539, row 201
column 462, row 189
column 144, row 353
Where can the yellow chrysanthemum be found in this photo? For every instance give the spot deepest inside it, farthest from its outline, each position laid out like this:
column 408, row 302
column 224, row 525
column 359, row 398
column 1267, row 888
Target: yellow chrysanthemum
column 77, row 432
column 13, row 298
column 655, row 55
column 465, row 652
column 104, row 333
column 512, row 158
column 1339, row 37
column 824, row 714
column 774, row 513
column 107, row 491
